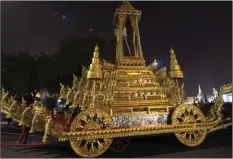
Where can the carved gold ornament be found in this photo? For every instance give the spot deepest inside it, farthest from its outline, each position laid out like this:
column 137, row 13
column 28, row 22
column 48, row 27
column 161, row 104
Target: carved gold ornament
column 189, row 114
column 91, row 119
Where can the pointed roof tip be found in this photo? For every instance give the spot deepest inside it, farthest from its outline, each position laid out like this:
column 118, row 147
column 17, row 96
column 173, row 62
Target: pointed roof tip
column 127, row 8
column 96, row 47
column 125, row 2
column 199, row 88
column 171, row 48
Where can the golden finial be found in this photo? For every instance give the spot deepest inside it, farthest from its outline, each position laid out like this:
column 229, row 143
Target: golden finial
column 38, row 95
column 96, row 48
column 23, row 100
column 95, row 68
column 175, row 71
column 125, row 2
column 127, row 8
column 3, row 91
column 172, row 50
column 61, row 85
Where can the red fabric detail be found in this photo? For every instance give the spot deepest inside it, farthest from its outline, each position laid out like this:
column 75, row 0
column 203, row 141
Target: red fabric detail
column 32, row 144
column 60, row 121
column 25, row 134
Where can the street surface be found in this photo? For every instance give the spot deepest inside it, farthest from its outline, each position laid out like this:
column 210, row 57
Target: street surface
column 216, row 145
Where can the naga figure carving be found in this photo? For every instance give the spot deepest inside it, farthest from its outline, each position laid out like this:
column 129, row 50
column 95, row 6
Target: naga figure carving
column 169, row 86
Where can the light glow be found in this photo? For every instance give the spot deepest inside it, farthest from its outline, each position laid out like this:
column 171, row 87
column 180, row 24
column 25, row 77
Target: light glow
column 227, row 98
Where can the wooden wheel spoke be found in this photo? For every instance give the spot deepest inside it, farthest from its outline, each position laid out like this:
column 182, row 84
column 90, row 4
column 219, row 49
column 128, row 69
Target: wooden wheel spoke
column 96, row 145
column 95, row 118
column 195, row 135
column 186, row 112
column 82, row 144
column 190, row 136
column 198, row 118
column 93, row 148
column 182, row 115
column 88, row 146
column 182, row 135
column 91, row 119
column 190, row 111
column 195, row 116
column 105, row 140
column 80, row 126
column 180, row 120
column 189, row 114
column 99, row 143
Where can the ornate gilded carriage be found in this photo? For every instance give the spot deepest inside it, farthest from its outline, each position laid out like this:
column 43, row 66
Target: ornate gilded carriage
column 123, row 100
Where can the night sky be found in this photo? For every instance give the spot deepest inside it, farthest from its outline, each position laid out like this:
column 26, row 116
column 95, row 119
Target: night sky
column 199, row 32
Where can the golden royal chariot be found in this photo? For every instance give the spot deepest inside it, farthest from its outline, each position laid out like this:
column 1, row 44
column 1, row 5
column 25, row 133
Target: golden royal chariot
column 121, row 100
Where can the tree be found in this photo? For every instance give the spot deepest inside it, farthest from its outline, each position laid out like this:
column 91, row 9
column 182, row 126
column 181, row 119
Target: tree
column 74, row 53
column 26, row 73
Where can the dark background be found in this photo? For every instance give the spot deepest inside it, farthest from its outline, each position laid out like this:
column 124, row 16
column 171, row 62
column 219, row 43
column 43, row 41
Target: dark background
column 45, row 42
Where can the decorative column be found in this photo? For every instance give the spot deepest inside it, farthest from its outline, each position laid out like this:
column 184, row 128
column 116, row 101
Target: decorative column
column 175, row 70
column 95, row 74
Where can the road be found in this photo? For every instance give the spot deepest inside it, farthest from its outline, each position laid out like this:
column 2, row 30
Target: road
column 216, row 145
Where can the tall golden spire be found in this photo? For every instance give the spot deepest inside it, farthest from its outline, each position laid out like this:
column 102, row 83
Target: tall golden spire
column 3, row 91
column 95, row 67
column 122, row 14
column 127, row 8
column 175, row 71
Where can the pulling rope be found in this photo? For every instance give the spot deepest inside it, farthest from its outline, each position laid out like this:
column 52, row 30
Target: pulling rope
column 127, row 44
column 26, row 145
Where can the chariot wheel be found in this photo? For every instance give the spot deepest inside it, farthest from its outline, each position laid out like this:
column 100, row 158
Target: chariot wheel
column 120, row 144
column 189, row 114
column 91, row 119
